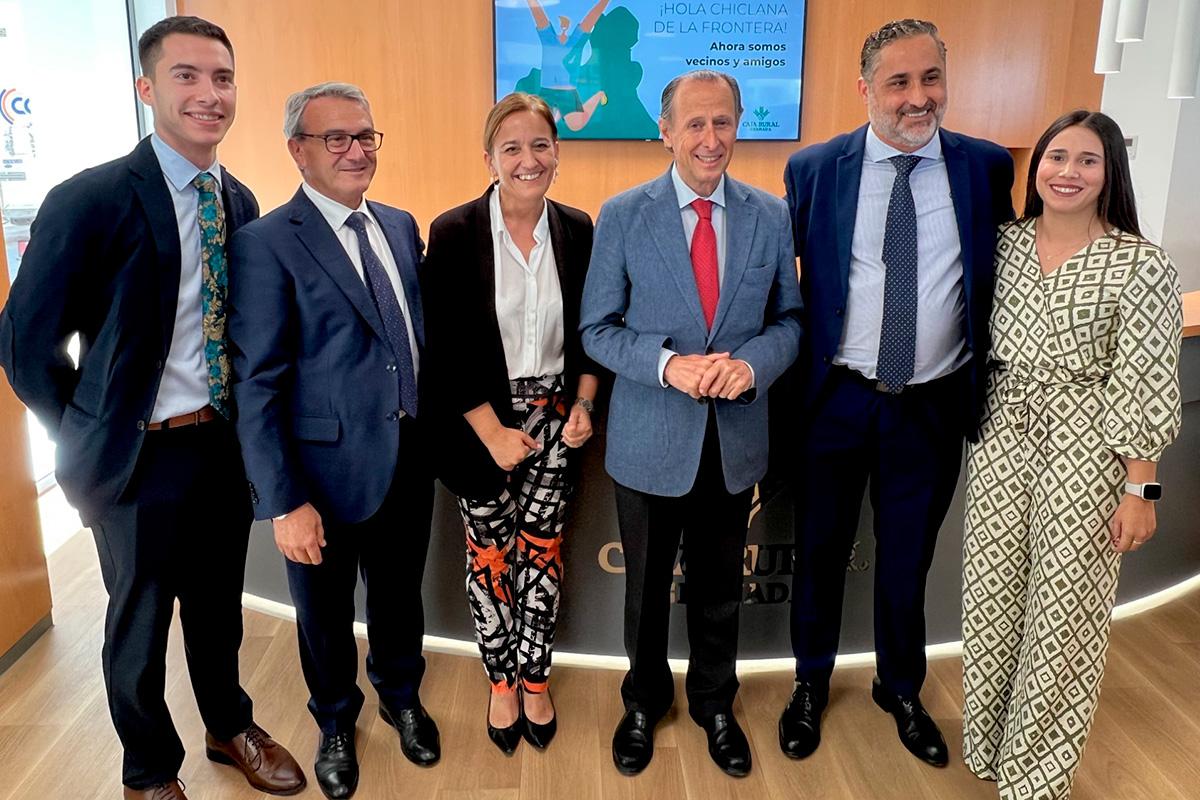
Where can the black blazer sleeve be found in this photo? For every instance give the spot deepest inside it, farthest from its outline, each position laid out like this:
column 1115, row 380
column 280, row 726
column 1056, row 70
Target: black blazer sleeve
column 49, row 303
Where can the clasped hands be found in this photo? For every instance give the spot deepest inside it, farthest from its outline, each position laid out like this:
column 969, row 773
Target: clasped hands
column 712, row 375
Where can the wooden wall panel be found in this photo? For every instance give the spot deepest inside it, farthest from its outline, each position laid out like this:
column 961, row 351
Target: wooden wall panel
column 24, row 583
column 427, row 66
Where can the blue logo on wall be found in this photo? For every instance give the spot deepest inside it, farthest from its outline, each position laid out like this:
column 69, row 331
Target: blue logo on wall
column 13, row 105
column 760, row 124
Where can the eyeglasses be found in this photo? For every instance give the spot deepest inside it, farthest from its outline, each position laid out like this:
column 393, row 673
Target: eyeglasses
column 340, row 142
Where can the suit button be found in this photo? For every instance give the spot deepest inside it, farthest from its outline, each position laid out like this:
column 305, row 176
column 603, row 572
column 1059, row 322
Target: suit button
column 158, row 365
column 838, row 312
column 391, row 367
column 395, row 415
column 827, row 360
column 141, row 424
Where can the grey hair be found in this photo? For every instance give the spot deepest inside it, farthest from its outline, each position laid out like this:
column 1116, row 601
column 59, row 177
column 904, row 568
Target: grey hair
column 710, row 75
column 293, row 109
column 868, row 60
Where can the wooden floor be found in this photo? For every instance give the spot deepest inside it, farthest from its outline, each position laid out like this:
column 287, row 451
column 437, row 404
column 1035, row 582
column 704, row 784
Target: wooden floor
column 56, row 740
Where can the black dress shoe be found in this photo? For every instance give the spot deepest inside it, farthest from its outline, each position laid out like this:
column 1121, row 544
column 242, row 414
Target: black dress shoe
column 633, row 743
column 337, row 766
column 419, row 738
column 727, row 744
column 800, row 722
column 918, row 732
column 539, row 734
column 506, row 739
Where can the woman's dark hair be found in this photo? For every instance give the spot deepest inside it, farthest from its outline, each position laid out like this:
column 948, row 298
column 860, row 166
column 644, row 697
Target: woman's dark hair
column 1115, row 205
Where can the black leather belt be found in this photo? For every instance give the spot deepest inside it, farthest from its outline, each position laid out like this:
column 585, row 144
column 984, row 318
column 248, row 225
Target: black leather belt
column 855, row 376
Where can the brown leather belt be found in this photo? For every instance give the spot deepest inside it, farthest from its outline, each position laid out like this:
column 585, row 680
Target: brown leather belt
column 206, row 414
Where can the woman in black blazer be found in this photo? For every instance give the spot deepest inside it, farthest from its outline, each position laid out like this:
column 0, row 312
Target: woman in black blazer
column 512, row 392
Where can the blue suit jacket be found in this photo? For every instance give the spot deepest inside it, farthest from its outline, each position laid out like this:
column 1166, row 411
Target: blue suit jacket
column 640, row 296
column 822, row 192
column 103, row 262
column 314, row 377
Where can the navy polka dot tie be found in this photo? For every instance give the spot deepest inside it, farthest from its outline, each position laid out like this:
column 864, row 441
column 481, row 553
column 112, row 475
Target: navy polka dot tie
column 379, row 286
column 898, row 333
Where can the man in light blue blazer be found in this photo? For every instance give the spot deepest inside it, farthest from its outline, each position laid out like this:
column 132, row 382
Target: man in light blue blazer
column 692, row 300
column 326, row 332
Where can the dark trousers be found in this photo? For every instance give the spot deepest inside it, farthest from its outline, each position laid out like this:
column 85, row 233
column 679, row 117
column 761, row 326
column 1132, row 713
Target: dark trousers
column 388, row 551
column 712, row 523
column 909, row 448
column 179, row 532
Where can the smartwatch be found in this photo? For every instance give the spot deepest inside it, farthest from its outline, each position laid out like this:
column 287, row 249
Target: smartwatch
column 1146, row 491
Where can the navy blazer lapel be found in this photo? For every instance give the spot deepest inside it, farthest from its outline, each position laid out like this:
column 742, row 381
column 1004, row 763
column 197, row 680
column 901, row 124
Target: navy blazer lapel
column 849, row 176
column 958, row 168
column 234, row 202
column 318, row 238
column 665, row 223
column 402, row 249
column 151, row 188
column 741, row 222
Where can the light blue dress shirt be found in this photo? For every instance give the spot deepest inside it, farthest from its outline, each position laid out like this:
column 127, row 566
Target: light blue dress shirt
column 941, row 345
column 184, row 385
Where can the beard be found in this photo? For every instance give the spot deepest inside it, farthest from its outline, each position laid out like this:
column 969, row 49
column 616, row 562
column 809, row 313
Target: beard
column 892, row 127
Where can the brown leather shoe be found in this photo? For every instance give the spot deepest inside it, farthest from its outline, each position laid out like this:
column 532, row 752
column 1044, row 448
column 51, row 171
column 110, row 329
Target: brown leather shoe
column 267, row 765
column 171, row 790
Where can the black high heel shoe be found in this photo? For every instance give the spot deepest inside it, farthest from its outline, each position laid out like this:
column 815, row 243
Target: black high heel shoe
column 508, row 738
column 539, row 735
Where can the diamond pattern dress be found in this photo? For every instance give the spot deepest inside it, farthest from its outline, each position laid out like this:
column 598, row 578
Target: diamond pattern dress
column 1083, row 370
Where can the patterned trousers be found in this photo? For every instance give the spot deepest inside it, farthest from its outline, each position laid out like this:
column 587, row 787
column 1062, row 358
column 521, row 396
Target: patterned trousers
column 1039, row 582
column 514, row 564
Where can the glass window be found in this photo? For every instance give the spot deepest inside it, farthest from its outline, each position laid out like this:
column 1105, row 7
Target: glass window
column 67, row 103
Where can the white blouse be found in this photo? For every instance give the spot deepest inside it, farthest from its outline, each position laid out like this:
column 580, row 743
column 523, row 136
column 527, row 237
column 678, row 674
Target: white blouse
column 529, row 305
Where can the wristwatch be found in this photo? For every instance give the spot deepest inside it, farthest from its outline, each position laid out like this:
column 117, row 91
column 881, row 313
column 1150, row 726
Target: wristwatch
column 588, row 405
column 1146, row 491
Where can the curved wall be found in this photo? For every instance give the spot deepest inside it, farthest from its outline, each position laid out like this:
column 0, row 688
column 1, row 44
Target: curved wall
column 594, row 585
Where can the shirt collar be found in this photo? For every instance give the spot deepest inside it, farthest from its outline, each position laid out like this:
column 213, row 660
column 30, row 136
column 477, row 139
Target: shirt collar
column 685, row 194
column 878, row 150
column 178, row 170
column 334, row 212
column 540, row 231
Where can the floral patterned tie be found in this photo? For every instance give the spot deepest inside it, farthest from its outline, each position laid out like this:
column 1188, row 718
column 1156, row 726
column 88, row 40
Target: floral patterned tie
column 214, row 286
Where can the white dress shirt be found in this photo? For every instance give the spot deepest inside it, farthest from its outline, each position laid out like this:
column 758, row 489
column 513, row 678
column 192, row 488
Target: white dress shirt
column 336, row 215
column 184, row 385
column 941, row 345
column 529, row 304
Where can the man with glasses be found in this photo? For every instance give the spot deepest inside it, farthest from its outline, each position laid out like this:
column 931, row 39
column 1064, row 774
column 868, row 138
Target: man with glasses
column 326, row 334
column 130, row 256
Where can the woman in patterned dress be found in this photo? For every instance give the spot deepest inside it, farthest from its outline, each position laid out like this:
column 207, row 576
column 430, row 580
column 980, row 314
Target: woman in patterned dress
column 1083, row 397
column 512, row 394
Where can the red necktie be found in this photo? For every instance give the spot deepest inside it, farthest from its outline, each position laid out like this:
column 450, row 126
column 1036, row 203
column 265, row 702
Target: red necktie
column 704, row 260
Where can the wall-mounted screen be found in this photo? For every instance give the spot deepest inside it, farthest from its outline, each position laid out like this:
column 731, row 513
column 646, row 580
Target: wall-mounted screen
column 602, row 64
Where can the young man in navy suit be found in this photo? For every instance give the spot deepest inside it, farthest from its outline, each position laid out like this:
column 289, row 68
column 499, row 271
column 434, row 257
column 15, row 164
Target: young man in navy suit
column 895, row 226
column 326, row 335
column 691, row 299
column 130, row 256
